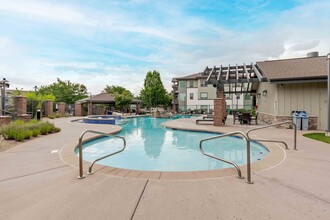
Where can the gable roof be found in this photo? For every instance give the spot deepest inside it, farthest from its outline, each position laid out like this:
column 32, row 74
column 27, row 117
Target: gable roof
column 189, row 77
column 103, row 98
column 297, row 69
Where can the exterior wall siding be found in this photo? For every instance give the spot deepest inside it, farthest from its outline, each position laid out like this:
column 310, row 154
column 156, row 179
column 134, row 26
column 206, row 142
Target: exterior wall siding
column 309, row 97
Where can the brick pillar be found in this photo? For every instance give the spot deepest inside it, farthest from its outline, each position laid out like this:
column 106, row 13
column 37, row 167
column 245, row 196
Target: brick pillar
column 219, row 109
column 61, row 108
column 20, row 104
column 49, row 107
column 90, row 108
column 137, row 108
column 78, row 109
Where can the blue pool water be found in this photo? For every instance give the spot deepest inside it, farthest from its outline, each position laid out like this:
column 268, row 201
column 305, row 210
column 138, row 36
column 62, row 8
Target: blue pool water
column 152, row 147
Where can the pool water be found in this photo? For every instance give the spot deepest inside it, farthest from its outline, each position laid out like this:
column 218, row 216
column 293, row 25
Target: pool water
column 151, row 147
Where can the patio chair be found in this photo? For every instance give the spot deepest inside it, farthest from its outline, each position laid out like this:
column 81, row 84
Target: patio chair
column 236, row 117
column 255, row 118
column 246, row 117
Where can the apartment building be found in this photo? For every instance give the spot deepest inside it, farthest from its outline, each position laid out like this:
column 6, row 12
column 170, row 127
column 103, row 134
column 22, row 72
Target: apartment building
column 193, row 94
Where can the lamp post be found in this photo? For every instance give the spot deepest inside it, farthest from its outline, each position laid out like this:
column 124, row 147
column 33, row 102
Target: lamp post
column 90, row 109
column 32, row 102
column 327, row 132
column 4, row 84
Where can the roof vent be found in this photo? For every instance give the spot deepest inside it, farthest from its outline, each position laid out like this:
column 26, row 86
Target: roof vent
column 313, row 54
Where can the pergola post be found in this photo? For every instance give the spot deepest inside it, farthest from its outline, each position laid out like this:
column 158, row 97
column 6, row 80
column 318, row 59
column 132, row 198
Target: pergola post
column 219, row 108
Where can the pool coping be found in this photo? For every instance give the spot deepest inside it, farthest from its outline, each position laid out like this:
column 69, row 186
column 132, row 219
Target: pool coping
column 275, row 157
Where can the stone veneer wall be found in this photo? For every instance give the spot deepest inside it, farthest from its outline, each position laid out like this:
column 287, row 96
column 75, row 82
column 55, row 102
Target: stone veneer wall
column 271, row 119
column 24, row 117
column 5, row 120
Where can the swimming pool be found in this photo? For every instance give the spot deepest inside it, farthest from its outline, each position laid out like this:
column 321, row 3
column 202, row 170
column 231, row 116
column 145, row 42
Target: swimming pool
column 151, row 147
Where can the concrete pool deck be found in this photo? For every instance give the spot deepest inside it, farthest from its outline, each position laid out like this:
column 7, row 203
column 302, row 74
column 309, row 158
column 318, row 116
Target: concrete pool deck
column 35, row 183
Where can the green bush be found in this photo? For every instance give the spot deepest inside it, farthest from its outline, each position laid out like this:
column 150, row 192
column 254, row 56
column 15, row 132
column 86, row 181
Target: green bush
column 20, row 130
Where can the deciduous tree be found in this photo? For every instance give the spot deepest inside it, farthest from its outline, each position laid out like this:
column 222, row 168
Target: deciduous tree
column 65, row 91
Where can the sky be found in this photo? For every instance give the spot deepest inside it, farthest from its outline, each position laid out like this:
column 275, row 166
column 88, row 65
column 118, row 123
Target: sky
column 116, row 42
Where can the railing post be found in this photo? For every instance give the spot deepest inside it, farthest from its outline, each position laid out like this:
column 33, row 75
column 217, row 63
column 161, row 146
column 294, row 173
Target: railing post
column 81, row 172
column 248, row 161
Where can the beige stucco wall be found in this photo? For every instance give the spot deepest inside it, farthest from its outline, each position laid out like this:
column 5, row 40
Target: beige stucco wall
column 269, row 103
column 209, row 89
column 282, row 100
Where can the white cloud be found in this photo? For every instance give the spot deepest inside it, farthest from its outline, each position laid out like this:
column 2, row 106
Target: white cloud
column 119, row 46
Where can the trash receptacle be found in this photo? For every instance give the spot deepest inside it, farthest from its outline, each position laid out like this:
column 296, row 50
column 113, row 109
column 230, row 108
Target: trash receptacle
column 296, row 119
column 38, row 114
column 304, row 120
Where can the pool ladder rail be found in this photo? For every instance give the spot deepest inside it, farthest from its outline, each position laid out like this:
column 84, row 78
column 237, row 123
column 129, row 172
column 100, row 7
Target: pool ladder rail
column 248, row 140
column 90, row 169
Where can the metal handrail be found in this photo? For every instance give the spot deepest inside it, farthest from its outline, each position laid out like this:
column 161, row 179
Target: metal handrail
column 273, row 125
column 81, row 175
column 239, row 174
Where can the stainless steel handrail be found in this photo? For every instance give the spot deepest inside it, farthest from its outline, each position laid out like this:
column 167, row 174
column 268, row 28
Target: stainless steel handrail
column 239, row 174
column 81, row 175
column 273, row 125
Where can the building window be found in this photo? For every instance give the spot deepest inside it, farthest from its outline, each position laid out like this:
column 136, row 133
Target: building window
column 203, row 83
column 247, row 97
column 204, row 95
column 191, row 84
column 182, row 84
column 204, row 107
column 182, row 97
column 191, row 95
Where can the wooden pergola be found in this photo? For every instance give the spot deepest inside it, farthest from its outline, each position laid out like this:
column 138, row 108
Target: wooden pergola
column 232, row 79
column 239, row 78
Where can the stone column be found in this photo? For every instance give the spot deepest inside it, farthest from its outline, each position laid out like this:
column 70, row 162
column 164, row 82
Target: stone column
column 49, row 108
column 20, row 104
column 90, row 108
column 219, row 109
column 78, row 109
column 61, row 108
column 137, row 108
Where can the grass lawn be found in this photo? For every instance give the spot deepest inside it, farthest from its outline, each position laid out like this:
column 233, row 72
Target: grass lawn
column 318, row 137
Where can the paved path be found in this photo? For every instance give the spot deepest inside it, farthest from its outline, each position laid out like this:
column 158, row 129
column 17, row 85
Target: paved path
column 36, row 184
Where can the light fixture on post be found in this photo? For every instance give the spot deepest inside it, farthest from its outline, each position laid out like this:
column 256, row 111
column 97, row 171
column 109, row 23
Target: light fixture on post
column 4, row 84
column 264, row 93
column 258, row 95
column 327, row 132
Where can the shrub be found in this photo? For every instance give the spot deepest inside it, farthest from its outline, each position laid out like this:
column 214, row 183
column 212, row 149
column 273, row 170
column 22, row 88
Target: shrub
column 20, row 130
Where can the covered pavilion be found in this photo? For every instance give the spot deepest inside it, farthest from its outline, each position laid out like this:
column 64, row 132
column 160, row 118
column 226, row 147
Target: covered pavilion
column 100, row 104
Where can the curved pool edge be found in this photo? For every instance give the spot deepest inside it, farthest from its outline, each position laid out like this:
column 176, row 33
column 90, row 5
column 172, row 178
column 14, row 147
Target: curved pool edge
column 275, row 157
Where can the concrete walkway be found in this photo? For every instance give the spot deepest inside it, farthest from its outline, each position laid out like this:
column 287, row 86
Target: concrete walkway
column 35, row 183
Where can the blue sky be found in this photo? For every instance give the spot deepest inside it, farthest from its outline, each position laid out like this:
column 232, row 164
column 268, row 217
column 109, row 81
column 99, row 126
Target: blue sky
column 99, row 43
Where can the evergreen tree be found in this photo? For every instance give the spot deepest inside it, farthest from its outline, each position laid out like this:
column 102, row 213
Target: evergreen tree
column 153, row 94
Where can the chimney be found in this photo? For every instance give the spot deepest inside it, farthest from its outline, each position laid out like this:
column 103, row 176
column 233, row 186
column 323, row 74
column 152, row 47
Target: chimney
column 313, row 54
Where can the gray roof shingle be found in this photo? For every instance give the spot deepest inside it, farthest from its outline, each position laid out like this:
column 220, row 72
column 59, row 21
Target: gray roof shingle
column 298, row 68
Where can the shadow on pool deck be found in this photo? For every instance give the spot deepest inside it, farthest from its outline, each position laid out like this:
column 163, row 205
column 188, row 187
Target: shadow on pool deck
column 36, row 184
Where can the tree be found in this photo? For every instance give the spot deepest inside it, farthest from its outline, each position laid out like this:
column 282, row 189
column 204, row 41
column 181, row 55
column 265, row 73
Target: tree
column 38, row 99
column 112, row 90
column 123, row 97
column 153, row 93
column 65, row 91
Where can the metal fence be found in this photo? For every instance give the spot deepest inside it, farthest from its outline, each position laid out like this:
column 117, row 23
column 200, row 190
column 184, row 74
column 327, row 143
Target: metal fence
column 208, row 109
